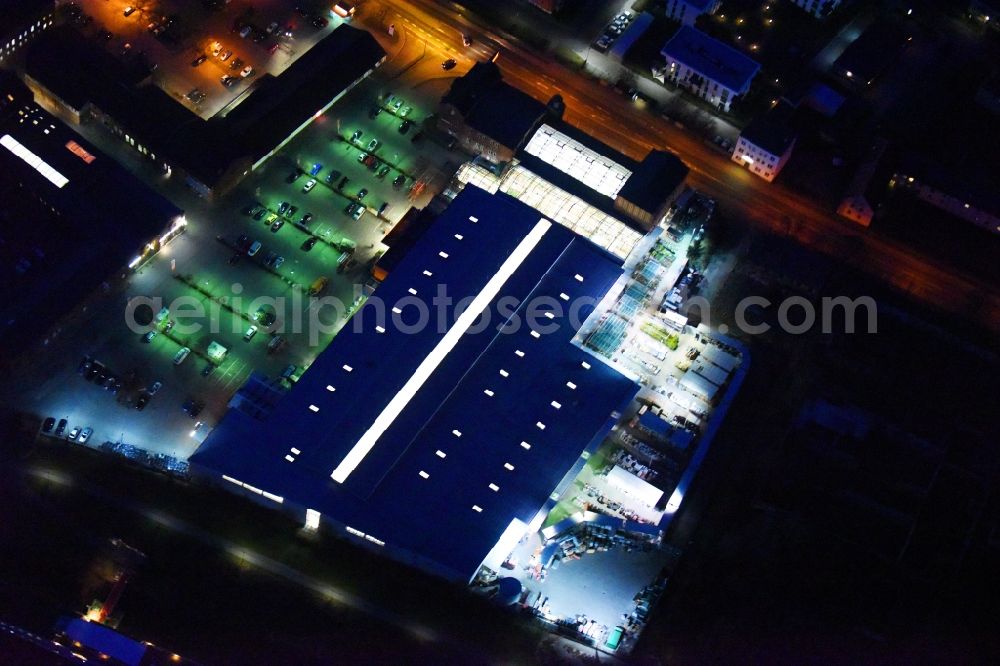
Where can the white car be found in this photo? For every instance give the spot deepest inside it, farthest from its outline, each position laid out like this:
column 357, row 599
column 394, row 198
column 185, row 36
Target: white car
column 311, row 183
column 216, row 49
column 225, row 55
column 85, row 435
column 252, row 331
column 73, row 434
column 158, row 385
column 246, row 71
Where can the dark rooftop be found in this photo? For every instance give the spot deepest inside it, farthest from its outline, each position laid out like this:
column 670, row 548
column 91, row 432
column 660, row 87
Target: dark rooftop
column 492, row 107
column 655, row 179
column 275, row 108
column 872, row 53
column 15, row 13
column 711, row 58
column 89, row 217
column 771, row 130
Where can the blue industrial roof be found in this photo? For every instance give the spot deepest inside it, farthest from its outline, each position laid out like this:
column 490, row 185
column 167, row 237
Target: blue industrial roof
column 385, row 496
column 106, row 640
column 711, row 58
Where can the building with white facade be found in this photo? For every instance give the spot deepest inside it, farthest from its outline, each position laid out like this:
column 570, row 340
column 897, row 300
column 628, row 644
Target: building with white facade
column 687, row 11
column 706, row 67
column 766, row 144
column 818, row 8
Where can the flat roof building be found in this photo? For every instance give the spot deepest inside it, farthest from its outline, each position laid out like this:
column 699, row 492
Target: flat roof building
column 213, row 154
column 419, row 430
column 71, row 217
column 21, row 21
column 687, row 12
column 706, row 67
column 487, row 116
column 766, row 144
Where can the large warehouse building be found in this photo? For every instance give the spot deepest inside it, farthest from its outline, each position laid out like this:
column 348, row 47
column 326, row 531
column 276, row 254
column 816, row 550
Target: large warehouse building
column 215, row 154
column 72, row 218
column 439, row 438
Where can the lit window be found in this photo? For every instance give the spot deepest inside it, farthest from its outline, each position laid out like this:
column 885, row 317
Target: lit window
column 494, row 487
column 313, row 408
column 440, row 454
column 424, row 475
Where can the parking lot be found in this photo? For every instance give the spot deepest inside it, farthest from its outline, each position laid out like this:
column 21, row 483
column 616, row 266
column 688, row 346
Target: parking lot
column 204, row 264
column 193, row 47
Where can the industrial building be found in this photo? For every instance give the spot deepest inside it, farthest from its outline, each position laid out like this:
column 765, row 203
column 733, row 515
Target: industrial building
column 441, row 437
column 73, row 217
column 489, row 118
column 706, row 67
column 766, row 144
column 20, row 22
column 215, row 154
column 586, row 185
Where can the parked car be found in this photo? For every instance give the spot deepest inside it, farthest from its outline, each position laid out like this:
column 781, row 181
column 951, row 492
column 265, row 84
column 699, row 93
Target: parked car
column 158, row 385
column 61, row 428
column 85, row 435
column 277, row 224
column 254, row 248
column 405, row 126
column 373, row 145
column 310, row 184
column 73, row 434
column 332, row 176
column 292, row 177
column 252, row 331
column 309, row 243
column 48, row 424
column 142, row 401
column 181, row 354
column 197, row 61
column 448, row 64
column 149, row 336
column 362, row 193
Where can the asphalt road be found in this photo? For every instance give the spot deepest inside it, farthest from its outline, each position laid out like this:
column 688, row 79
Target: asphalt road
column 595, row 109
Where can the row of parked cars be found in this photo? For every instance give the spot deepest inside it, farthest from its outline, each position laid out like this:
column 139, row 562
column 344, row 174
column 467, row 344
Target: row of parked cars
column 77, row 434
column 613, row 31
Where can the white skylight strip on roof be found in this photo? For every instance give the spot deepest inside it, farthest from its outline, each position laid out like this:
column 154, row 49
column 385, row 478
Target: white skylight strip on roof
column 494, row 487
column 33, row 160
column 295, row 451
column 289, row 458
column 564, row 296
column 330, row 388
column 440, row 454
column 477, row 508
column 556, row 404
column 444, row 346
column 570, row 385
column 313, row 408
column 508, row 467
column 428, row 273
column 488, row 392
column 519, row 353
column 412, row 291
column 424, row 475
column 525, row 446
column 596, row 171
